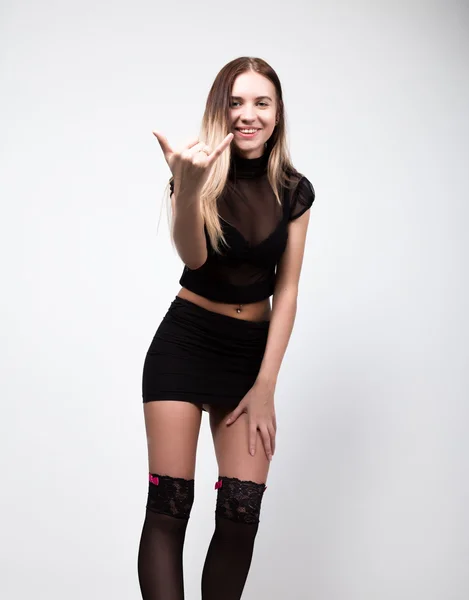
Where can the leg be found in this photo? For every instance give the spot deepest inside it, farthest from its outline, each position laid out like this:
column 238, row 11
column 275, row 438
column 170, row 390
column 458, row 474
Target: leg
column 241, row 487
column 172, row 430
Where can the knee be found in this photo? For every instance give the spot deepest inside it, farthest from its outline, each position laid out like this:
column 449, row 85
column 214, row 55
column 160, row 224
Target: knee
column 173, row 496
column 239, row 501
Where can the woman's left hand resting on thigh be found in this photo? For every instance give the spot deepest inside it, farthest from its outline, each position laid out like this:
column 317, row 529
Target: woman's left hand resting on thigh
column 258, row 403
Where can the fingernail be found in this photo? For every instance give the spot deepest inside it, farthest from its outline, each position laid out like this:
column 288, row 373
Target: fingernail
column 252, row 451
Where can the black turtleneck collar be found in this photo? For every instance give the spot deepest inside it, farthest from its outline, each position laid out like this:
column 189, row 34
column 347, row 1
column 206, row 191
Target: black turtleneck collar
column 248, row 168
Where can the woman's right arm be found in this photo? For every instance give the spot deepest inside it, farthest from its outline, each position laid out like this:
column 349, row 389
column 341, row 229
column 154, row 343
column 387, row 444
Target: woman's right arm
column 188, row 229
column 190, row 167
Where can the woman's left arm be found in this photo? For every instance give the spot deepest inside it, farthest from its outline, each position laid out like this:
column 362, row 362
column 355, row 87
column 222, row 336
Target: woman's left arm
column 259, row 401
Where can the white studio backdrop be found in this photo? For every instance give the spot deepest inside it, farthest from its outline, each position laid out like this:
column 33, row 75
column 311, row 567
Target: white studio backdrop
column 368, row 490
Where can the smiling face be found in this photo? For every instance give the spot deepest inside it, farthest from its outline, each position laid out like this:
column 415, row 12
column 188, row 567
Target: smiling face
column 253, row 106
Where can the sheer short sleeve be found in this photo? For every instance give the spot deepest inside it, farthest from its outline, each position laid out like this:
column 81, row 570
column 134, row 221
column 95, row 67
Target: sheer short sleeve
column 302, row 198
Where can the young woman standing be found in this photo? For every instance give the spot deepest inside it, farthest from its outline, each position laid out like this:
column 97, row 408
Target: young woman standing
column 239, row 223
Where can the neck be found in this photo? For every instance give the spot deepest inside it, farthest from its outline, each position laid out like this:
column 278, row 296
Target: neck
column 243, row 167
column 249, row 154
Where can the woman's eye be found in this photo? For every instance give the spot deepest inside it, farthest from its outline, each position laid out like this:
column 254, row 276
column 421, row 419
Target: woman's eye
column 236, row 102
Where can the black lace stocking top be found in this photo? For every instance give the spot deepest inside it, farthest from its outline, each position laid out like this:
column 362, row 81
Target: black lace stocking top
column 256, row 229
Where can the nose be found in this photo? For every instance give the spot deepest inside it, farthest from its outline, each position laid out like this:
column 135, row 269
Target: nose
column 248, row 115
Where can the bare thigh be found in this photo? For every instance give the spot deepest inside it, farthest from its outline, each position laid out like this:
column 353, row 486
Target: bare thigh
column 232, row 450
column 172, row 430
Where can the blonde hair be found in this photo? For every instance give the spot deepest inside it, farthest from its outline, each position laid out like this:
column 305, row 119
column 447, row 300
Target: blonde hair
column 216, row 126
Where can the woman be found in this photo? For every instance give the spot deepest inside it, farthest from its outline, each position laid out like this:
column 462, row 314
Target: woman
column 240, row 218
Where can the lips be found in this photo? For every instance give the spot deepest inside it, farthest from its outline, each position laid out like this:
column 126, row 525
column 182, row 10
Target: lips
column 247, row 135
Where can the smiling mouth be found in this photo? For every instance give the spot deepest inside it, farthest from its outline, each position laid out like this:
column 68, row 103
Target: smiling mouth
column 247, row 133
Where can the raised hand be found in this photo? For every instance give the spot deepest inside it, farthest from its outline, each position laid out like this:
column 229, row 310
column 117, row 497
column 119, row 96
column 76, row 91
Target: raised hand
column 191, row 164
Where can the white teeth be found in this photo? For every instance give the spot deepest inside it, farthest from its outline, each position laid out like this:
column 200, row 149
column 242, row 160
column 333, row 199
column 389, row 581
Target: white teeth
column 248, row 130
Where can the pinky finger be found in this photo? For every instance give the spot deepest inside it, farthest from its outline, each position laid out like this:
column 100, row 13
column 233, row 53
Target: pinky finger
column 221, row 147
column 272, row 438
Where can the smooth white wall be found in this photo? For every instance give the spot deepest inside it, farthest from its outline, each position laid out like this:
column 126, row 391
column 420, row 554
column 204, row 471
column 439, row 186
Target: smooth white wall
column 368, row 490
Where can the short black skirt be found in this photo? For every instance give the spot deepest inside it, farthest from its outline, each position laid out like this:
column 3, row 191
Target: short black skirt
column 201, row 356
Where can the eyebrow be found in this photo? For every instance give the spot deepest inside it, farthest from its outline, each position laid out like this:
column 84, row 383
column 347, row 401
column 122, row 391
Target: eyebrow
column 258, row 98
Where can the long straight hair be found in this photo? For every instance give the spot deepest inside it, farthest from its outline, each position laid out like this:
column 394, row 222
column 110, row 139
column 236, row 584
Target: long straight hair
column 216, row 126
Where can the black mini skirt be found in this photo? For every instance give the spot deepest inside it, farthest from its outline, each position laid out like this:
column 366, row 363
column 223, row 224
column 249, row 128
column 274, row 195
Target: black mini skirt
column 203, row 357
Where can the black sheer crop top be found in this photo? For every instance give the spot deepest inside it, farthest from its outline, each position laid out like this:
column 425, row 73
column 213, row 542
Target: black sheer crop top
column 256, row 229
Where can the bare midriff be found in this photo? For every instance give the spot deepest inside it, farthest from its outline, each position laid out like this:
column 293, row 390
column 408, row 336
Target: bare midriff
column 254, row 311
